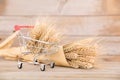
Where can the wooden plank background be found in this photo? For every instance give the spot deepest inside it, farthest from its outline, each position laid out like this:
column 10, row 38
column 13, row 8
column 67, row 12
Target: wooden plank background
column 108, row 69
column 78, row 19
column 60, row 7
column 84, row 17
column 72, row 25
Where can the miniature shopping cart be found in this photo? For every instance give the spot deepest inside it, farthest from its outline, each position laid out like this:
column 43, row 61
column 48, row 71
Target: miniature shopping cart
column 24, row 38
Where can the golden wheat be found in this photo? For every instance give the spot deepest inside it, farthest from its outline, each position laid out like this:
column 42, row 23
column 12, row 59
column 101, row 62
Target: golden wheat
column 73, row 63
column 86, row 59
column 80, row 64
column 80, row 55
column 43, row 32
column 81, row 50
column 71, row 56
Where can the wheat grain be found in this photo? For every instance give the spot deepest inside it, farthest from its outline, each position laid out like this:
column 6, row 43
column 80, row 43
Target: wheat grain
column 71, row 56
column 86, row 59
column 43, row 31
column 81, row 50
column 85, row 54
column 79, row 54
column 73, row 63
column 80, row 64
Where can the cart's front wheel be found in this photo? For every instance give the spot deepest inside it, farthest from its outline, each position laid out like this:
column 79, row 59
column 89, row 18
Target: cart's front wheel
column 35, row 62
column 20, row 64
column 42, row 67
column 52, row 65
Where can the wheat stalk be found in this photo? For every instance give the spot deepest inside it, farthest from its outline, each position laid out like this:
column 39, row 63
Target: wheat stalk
column 71, row 56
column 43, row 31
column 79, row 54
column 80, row 64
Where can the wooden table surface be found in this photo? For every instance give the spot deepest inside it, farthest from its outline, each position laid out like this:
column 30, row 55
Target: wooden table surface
column 108, row 68
column 80, row 18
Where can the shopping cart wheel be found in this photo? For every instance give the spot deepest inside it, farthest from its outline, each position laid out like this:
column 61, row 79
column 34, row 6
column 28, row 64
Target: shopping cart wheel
column 52, row 65
column 35, row 62
column 20, row 64
column 42, row 67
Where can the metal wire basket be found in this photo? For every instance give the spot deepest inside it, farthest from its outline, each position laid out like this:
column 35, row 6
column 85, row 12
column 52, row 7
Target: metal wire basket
column 24, row 38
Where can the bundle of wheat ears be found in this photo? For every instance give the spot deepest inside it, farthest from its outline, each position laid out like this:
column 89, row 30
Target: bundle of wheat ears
column 43, row 32
column 79, row 54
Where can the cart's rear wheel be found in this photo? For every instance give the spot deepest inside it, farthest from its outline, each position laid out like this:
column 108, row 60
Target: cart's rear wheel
column 42, row 67
column 52, row 65
column 20, row 64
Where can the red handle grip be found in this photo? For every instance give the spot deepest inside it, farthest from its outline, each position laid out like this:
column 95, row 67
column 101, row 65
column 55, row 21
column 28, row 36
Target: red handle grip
column 18, row 27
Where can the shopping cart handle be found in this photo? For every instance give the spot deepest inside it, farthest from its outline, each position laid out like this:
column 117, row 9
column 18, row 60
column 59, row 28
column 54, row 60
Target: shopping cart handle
column 18, row 27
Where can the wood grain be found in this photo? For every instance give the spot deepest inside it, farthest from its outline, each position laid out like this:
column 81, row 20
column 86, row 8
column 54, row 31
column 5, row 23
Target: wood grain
column 60, row 7
column 108, row 45
column 70, row 25
column 78, row 19
column 107, row 70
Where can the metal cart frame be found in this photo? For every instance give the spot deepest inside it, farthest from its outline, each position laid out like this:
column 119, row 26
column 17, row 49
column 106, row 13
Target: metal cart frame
column 23, row 38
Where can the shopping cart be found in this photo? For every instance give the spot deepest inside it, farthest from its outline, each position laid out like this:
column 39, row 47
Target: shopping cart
column 24, row 38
